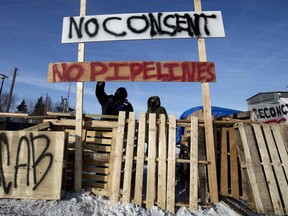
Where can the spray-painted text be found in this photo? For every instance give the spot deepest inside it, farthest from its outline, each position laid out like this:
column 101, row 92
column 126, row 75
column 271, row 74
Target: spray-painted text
column 132, row 71
column 142, row 26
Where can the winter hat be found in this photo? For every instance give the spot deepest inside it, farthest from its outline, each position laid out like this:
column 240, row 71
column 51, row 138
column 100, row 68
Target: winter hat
column 121, row 93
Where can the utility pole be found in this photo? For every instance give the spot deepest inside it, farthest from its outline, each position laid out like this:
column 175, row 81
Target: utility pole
column 3, row 78
column 11, row 88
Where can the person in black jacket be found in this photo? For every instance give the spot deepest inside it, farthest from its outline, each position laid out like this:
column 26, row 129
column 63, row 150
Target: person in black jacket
column 113, row 104
column 154, row 106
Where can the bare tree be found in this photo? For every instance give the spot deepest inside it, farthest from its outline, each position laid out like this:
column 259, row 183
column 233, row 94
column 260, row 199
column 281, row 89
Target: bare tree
column 4, row 98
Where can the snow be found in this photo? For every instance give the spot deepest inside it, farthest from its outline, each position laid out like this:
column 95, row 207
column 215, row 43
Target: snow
column 85, row 203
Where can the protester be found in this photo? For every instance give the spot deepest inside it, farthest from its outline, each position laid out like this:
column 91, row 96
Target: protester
column 113, row 104
column 154, row 106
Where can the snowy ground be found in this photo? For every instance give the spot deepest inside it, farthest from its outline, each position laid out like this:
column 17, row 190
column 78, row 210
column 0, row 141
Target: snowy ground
column 87, row 204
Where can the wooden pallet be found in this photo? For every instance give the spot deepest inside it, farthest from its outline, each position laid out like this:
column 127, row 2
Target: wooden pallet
column 149, row 176
column 262, row 148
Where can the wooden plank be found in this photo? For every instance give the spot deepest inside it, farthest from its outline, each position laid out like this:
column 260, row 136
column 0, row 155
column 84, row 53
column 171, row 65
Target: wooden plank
column 193, row 192
column 98, row 133
column 117, row 162
column 32, row 164
column 281, row 147
column 250, row 169
column 79, row 115
column 277, row 165
column 224, row 163
column 151, row 168
column 284, row 133
column 38, row 127
column 171, row 165
column 246, row 189
column 235, row 192
column 140, row 159
column 97, row 148
column 162, row 162
column 129, row 159
column 182, row 71
column 203, row 181
column 210, row 145
column 112, row 157
column 272, row 185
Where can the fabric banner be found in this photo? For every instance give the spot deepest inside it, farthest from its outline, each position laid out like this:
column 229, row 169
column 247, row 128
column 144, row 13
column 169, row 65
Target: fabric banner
column 270, row 112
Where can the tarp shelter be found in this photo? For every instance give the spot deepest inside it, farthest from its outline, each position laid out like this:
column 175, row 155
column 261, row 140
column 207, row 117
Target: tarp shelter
column 216, row 112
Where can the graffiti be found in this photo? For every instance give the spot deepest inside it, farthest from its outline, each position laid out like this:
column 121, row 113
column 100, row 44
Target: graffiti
column 142, row 26
column 132, row 71
column 26, row 158
column 270, row 112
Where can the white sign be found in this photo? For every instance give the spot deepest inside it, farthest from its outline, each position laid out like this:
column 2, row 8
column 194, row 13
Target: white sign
column 140, row 26
column 270, row 112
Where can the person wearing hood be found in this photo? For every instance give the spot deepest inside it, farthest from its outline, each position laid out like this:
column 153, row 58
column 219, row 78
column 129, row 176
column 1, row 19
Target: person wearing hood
column 113, row 104
column 154, row 106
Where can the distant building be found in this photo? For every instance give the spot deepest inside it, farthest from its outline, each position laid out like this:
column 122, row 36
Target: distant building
column 269, row 107
column 267, row 97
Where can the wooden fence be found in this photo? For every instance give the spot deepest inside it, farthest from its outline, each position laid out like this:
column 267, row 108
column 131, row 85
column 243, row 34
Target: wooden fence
column 132, row 160
column 262, row 150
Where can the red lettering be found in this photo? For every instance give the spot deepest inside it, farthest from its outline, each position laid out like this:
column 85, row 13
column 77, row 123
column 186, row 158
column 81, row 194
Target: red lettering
column 201, row 72
column 135, row 69
column 160, row 75
column 57, row 72
column 148, row 67
column 97, row 68
column 72, row 72
column 188, row 71
column 211, row 73
column 171, row 67
column 116, row 66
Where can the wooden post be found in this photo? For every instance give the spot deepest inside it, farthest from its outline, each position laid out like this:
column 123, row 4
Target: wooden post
column 212, row 175
column 79, row 115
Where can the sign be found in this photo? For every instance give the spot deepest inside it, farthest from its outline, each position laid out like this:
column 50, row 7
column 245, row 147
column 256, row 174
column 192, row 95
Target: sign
column 132, row 71
column 31, row 164
column 142, row 26
column 270, row 112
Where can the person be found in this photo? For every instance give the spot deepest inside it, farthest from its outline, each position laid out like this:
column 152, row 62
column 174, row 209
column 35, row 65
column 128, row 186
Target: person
column 113, row 104
column 154, row 106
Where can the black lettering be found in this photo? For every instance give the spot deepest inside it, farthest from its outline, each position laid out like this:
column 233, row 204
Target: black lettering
column 77, row 28
column 265, row 112
column 261, row 114
column 278, row 111
column 17, row 165
column 43, row 155
column 134, row 30
column 205, row 17
column 122, row 34
column 4, row 141
column 173, row 27
column 272, row 111
column 87, row 30
column 284, row 111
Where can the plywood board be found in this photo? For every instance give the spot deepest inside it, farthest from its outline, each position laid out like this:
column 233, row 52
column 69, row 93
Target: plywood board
column 132, row 71
column 32, row 164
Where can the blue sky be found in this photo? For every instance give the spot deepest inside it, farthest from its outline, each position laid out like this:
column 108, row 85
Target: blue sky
column 252, row 58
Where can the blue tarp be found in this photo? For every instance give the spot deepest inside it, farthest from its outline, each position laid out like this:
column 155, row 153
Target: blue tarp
column 216, row 111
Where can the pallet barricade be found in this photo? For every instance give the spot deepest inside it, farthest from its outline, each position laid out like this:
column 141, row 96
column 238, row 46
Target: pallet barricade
column 133, row 160
column 262, row 150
